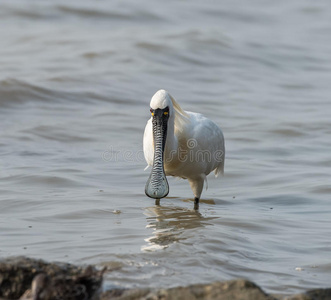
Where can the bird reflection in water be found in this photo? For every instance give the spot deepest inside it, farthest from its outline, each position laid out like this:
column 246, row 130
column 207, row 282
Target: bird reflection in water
column 173, row 224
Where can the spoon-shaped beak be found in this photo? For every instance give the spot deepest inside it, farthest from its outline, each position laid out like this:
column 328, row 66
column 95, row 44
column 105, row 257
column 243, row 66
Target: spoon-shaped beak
column 157, row 185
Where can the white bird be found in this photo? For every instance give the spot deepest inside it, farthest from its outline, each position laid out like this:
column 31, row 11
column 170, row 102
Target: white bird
column 181, row 144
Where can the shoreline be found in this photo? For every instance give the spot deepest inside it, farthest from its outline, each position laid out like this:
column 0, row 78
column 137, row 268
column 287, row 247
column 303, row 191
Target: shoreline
column 33, row 279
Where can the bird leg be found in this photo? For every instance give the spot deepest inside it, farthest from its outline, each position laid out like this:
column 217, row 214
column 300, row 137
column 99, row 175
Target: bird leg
column 157, row 201
column 196, row 203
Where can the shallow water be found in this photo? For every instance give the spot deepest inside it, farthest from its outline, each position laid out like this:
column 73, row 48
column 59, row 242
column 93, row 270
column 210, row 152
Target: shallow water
column 75, row 85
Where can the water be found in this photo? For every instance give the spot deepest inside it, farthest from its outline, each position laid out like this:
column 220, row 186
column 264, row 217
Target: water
column 75, row 85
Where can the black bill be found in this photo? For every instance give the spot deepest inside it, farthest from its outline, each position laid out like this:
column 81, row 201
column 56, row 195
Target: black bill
column 157, row 185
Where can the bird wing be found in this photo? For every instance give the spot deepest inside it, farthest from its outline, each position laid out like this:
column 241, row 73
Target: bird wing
column 209, row 142
column 148, row 143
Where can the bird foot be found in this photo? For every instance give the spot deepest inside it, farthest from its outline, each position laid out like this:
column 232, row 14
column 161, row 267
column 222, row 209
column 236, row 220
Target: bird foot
column 196, row 203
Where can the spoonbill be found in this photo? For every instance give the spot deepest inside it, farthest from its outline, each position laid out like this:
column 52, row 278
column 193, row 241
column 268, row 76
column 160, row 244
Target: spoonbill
column 182, row 144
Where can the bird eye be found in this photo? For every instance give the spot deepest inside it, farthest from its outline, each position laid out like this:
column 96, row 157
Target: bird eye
column 166, row 113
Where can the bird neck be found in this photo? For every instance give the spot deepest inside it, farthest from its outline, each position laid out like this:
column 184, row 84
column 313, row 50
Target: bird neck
column 171, row 141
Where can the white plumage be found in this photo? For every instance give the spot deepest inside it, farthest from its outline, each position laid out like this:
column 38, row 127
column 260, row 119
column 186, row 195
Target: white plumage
column 194, row 145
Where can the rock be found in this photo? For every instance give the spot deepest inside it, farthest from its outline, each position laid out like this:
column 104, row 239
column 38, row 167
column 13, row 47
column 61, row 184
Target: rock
column 30, row 279
column 47, row 280
column 230, row 290
column 318, row 294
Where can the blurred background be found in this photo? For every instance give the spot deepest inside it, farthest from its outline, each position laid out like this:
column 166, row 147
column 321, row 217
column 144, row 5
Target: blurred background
column 76, row 78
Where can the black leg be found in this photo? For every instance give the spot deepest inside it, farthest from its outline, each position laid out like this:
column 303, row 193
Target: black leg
column 157, row 201
column 196, row 203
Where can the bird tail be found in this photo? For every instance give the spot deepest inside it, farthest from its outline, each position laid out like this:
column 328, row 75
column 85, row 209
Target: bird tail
column 219, row 169
column 221, row 158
